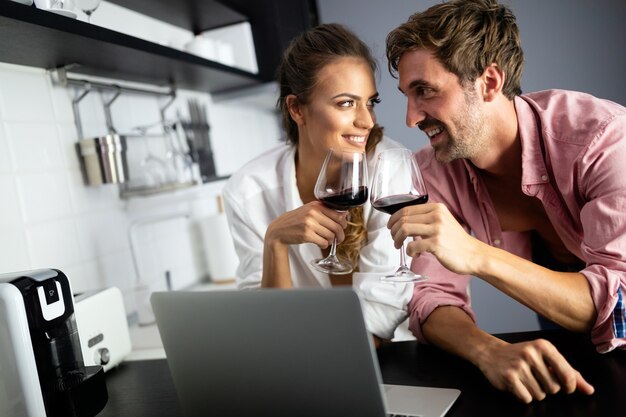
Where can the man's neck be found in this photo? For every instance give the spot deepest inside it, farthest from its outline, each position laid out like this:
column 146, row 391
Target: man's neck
column 503, row 155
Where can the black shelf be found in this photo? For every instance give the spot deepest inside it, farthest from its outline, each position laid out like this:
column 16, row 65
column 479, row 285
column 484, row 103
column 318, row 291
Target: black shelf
column 274, row 22
column 33, row 37
column 194, row 15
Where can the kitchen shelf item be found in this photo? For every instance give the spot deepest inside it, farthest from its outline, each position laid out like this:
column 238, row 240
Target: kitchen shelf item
column 222, row 259
column 104, row 159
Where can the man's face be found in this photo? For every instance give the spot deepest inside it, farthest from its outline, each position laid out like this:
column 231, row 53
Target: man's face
column 449, row 113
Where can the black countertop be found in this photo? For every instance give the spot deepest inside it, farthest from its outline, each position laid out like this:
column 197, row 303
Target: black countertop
column 145, row 388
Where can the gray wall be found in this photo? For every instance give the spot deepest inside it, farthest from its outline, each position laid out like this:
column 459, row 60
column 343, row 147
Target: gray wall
column 569, row 44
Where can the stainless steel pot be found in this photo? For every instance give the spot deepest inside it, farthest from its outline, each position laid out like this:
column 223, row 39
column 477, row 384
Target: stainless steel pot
column 104, row 159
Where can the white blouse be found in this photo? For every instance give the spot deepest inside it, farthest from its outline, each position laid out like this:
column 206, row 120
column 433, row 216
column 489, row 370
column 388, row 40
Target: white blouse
column 265, row 188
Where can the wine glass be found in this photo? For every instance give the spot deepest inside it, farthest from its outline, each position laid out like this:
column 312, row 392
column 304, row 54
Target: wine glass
column 88, row 7
column 398, row 183
column 341, row 185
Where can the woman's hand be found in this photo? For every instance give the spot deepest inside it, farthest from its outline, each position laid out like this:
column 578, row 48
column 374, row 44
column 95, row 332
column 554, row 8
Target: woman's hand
column 311, row 223
column 436, row 232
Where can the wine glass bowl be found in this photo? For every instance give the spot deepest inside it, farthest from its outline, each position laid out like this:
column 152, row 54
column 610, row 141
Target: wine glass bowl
column 341, row 185
column 398, row 183
column 88, row 7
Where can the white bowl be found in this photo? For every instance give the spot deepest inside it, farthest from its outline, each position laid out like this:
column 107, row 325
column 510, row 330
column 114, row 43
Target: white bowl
column 62, row 7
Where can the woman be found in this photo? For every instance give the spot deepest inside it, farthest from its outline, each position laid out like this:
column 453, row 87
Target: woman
column 327, row 99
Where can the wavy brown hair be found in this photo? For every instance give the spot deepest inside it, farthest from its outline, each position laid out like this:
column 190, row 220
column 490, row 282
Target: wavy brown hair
column 466, row 36
column 297, row 74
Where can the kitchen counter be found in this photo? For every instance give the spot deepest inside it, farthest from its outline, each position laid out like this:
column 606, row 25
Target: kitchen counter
column 146, row 340
column 145, row 388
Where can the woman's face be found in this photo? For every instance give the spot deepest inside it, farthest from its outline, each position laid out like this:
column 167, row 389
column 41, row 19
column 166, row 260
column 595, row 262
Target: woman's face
column 340, row 109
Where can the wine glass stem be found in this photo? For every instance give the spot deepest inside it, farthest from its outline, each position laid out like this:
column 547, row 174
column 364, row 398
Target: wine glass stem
column 333, row 248
column 402, row 259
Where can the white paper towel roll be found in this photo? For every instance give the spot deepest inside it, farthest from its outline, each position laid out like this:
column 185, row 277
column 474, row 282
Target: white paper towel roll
column 219, row 249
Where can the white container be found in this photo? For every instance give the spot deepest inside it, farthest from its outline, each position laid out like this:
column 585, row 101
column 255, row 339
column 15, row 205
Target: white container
column 62, row 7
column 235, row 46
column 218, row 247
column 203, row 47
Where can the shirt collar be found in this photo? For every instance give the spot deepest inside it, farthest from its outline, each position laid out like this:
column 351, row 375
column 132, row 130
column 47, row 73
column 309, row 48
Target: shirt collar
column 534, row 169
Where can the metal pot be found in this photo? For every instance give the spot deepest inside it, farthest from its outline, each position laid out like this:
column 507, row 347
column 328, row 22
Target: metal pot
column 104, row 159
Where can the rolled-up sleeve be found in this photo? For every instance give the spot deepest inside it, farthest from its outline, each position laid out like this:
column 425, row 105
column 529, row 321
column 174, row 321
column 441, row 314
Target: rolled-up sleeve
column 443, row 288
column 603, row 219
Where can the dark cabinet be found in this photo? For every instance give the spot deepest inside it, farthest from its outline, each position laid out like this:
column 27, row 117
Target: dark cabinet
column 32, row 37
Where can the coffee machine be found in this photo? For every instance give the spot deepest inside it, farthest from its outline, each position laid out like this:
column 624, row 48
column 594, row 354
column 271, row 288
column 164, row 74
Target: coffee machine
column 42, row 373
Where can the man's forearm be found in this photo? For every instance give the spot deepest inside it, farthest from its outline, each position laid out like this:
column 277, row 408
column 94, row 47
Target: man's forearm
column 451, row 329
column 563, row 297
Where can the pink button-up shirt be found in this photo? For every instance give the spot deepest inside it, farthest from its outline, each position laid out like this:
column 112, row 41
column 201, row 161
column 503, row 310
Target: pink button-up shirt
column 574, row 161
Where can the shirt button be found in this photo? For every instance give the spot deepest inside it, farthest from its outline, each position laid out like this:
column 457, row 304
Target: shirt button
column 544, row 178
column 497, row 242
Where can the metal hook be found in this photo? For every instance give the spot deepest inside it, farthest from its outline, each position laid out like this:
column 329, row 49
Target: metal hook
column 107, row 109
column 172, row 97
column 76, row 110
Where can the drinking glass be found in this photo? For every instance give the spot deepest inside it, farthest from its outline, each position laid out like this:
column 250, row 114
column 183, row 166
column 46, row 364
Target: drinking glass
column 398, row 183
column 341, row 185
column 88, row 7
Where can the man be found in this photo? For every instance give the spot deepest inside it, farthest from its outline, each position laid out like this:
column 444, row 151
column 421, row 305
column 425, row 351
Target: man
column 537, row 180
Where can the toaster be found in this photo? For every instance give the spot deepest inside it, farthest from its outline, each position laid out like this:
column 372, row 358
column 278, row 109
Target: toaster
column 103, row 326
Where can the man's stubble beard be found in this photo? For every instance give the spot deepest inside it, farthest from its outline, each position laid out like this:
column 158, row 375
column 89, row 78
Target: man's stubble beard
column 469, row 139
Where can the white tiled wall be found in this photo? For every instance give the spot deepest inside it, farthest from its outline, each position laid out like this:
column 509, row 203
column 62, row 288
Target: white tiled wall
column 50, row 219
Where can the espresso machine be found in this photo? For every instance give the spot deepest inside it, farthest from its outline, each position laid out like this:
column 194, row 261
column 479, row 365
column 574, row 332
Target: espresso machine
column 42, row 373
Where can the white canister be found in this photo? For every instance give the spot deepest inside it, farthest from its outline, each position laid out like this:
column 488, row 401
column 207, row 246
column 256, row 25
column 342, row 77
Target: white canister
column 218, row 247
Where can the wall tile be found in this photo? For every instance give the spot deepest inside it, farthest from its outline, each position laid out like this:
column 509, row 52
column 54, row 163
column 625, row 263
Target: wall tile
column 10, row 214
column 89, row 198
column 25, row 96
column 241, row 133
column 61, row 102
column 91, row 113
column 5, row 155
column 35, row 147
column 14, row 250
column 84, row 276
column 102, row 233
column 137, row 111
column 116, row 269
column 44, row 196
column 67, row 143
column 53, row 244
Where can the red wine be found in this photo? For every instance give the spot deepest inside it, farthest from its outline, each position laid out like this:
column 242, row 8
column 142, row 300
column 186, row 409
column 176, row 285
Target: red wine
column 393, row 203
column 346, row 199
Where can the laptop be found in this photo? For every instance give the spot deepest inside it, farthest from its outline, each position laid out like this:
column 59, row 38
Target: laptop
column 271, row 352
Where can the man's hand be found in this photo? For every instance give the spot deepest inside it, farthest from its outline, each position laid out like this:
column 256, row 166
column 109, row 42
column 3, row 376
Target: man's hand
column 531, row 370
column 437, row 232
